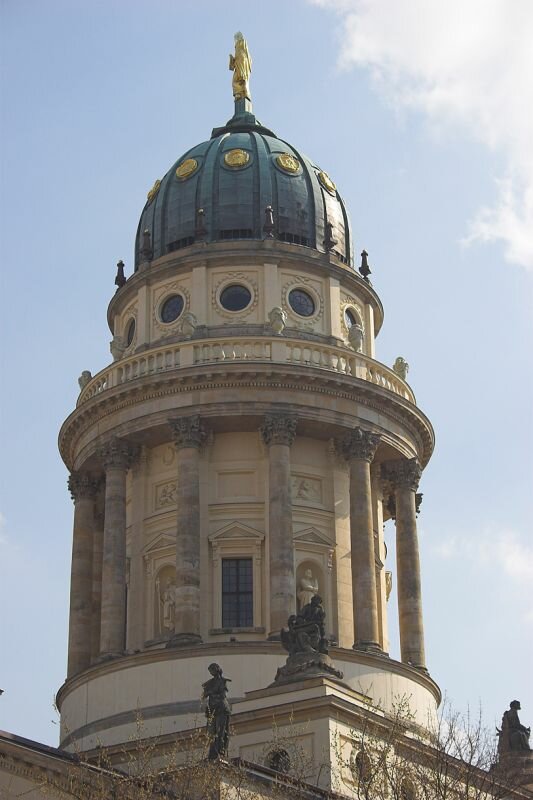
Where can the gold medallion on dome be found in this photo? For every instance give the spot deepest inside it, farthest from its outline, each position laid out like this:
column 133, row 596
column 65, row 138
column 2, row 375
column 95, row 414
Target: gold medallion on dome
column 153, row 191
column 186, row 168
column 327, row 183
column 236, row 158
column 288, row 162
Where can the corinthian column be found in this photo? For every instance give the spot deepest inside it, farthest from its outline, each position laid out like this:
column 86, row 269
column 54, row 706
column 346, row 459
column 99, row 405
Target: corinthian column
column 189, row 435
column 117, row 456
column 359, row 448
column 278, row 432
column 404, row 476
column 83, row 490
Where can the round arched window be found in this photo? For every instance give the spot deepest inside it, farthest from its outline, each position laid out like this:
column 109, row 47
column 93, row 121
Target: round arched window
column 235, row 297
column 279, row 760
column 130, row 332
column 301, row 303
column 363, row 767
column 350, row 318
column 171, row 308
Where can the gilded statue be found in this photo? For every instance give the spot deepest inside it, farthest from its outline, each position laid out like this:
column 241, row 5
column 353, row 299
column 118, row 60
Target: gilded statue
column 241, row 65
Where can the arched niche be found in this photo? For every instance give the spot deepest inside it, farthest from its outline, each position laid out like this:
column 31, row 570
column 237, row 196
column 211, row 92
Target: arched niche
column 309, row 581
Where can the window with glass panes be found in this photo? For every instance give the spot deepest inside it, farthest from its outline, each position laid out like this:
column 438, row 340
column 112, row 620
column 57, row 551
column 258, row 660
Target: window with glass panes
column 237, row 593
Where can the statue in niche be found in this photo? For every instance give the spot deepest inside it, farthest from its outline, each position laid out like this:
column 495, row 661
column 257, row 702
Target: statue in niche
column 513, row 736
column 167, row 605
column 217, row 711
column 308, row 588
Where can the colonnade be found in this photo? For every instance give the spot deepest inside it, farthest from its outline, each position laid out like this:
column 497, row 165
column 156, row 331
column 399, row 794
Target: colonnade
column 98, row 580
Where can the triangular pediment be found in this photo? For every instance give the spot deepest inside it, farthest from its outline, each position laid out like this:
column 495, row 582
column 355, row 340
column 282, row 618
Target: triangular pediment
column 160, row 542
column 236, row 530
column 312, row 536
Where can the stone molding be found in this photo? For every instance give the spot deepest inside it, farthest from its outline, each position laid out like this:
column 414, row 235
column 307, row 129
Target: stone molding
column 278, row 429
column 82, row 485
column 402, row 474
column 188, row 432
column 118, row 453
column 360, row 444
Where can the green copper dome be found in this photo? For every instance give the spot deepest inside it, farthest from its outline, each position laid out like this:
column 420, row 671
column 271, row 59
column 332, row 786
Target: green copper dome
column 244, row 183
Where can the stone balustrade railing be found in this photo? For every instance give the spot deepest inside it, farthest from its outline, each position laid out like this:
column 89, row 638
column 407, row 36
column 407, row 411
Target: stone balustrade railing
column 274, row 350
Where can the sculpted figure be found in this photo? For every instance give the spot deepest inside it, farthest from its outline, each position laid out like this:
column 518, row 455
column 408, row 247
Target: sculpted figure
column 241, row 65
column 513, row 736
column 168, row 600
column 308, row 588
column 401, row 367
column 217, row 711
column 278, row 319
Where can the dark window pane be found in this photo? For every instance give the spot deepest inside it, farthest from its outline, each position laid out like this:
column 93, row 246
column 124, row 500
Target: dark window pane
column 302, row 303
column 235, row 298
column 349, row 318
column 130, row 332
column 237, row 594
column 172, row 308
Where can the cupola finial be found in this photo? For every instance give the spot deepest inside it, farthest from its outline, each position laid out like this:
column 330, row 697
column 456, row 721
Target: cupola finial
column 241, row 66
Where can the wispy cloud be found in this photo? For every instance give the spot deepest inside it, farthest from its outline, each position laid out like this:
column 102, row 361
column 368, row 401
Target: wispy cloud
column 469, row 68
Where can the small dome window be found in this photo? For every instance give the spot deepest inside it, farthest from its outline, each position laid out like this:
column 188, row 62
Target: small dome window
column 301, row 303
column 350, row 318
column 279, row 760
column 171, row 308
column 130, row 332
column 235, row 297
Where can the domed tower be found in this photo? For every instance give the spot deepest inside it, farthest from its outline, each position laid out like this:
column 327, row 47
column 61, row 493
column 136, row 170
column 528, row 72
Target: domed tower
column 239, row 455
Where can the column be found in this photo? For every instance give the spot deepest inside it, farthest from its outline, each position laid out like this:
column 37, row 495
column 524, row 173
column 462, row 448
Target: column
column 359, row 448
column 82, row 487
column 278, row 432
column 404, row 476
column 189, row 435
column 98, row 552
column 117, row 456
column 135, row 634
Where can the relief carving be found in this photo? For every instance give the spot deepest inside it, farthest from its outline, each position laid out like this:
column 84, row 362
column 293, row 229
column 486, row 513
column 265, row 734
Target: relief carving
column 165, row 495
column 306, row 489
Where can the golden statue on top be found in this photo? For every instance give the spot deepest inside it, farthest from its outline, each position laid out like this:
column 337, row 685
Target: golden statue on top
column 241, row 65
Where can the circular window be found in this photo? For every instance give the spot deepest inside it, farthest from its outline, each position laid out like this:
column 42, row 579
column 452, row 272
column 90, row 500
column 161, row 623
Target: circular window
column 171, row 308
column 235, row 297
column 279, row 760
column 130, row 332
column 363, row 767
column 301, row 302
column 350, row 318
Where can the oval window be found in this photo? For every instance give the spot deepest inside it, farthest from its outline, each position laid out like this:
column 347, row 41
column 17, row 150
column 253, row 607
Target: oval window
column 130, row 332
column 279, row 760
column 235, row 297
column 172, row 308
column 302, row 303
column 350, row 318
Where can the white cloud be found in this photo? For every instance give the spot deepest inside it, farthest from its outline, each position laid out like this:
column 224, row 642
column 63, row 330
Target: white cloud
column 468, row 67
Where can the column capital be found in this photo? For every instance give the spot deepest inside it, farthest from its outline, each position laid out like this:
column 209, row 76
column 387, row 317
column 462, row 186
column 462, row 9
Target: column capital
column 360, row 444
column 118, row 452
column 278, row 429
column 402, row 474
column 81, row 484
column 188, row 431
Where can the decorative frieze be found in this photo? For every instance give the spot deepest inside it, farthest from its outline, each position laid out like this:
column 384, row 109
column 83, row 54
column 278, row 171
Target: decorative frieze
column 188, row 432
column 404, row 473
column 360, row 444
column 279, row 429
column 81, row 484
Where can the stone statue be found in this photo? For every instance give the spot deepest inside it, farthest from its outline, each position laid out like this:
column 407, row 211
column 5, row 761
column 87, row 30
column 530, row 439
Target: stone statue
column 278, row 319
column 513, row 736
column 189, row 323
column 241, row 65
column 356, row 336
column 305, row 641
column 308, row 588
column 217, row 711
column 117, row 347
column 401, row 368
column 168, row 602
column 84, row 378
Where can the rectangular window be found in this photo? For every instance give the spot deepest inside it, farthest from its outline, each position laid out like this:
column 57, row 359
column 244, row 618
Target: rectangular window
column 237, row 593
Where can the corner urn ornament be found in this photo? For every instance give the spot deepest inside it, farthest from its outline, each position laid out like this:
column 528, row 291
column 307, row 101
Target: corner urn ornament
column 401, row 368
column 307, row 646
column 278, row 319
column 217, row 711
column 356, row 336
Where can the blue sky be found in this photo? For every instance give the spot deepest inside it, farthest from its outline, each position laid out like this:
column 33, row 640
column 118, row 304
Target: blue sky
column 418, row 111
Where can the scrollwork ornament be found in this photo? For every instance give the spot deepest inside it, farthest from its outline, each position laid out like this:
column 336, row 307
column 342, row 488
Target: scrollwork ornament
column 403, row 474
column 188, row 432
column 82, row 485
column 278, row 429
column 118, row 453
column 360, row 444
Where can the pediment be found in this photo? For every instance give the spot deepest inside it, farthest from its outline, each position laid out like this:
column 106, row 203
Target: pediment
column 160, row 542
column 236, row 531
column 312, row 536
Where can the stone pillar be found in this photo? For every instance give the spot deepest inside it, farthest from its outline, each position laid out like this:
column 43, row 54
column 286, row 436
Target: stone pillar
column 136, row 595
column 359, row 448
column 117, row 456
column 189, row 435
column 83, row 490
column 278, row 432
column 98, row 552
column 404, row 476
